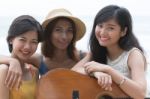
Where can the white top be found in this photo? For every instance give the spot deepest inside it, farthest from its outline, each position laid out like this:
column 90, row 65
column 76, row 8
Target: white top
column 121, row 63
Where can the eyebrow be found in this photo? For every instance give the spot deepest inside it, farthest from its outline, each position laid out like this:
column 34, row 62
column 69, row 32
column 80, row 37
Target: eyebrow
column 70, row 27
column 111, row 25
column 25, row 38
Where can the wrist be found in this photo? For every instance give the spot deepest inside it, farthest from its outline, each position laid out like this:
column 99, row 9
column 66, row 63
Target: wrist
column 108, row 69
column 122, row 82
column 96, row 74
column 13, row 61
column 93, row 74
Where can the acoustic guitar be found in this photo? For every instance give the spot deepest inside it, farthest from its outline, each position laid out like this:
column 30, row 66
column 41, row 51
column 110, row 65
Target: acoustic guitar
column 66, row 84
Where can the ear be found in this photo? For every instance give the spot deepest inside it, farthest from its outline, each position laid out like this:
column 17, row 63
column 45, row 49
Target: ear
column 11, row 41
column 124, row 32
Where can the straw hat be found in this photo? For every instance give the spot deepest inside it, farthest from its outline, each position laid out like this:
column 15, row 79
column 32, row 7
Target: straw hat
column 80, row 26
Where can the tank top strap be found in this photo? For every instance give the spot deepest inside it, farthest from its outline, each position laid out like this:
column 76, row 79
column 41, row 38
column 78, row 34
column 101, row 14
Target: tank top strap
column 43, row 68
column 81, row 53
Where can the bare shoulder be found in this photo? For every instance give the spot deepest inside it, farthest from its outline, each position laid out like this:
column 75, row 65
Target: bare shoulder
column 80, row 54
column 136, row 58
column 3, row 67
column 3, row 71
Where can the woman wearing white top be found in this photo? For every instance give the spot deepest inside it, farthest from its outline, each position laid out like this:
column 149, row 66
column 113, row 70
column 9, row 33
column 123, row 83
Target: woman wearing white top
column 115, row 54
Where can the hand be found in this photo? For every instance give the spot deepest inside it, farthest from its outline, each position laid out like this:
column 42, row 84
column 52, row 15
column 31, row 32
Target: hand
column 95, row 67
column 14, row 75
column 104, row 80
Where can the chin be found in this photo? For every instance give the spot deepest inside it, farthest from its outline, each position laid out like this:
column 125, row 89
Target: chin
column 103, row 44
column 24, row 58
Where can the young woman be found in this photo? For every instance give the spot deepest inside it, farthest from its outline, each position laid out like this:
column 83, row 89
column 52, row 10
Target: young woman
column 61, row 31
column 23, row 37
column 115, row 54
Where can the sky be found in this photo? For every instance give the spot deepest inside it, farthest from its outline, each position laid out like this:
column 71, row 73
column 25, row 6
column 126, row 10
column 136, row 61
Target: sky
column 80, row 8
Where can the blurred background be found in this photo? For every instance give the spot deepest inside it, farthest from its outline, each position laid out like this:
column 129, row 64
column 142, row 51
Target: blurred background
column 84, row 9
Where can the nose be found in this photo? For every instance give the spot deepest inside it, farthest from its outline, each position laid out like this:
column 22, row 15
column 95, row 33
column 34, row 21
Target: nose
column 103, row 31
column 27, row 46
column 64, row 35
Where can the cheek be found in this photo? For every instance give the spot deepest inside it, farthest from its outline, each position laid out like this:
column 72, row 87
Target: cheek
column 97, row 32
column 17, row 45
column 53, row 38
column 70, row 37
column 34, row 48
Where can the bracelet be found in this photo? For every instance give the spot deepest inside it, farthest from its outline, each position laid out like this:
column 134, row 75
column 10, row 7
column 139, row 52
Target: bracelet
column 122, row 81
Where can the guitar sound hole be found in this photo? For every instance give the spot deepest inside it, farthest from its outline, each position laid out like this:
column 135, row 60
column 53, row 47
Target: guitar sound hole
column 105, row 97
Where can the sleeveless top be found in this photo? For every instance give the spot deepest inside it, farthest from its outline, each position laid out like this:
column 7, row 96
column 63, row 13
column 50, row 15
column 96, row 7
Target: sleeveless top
column 121, row 63
column 27, row 88
column 43, row 67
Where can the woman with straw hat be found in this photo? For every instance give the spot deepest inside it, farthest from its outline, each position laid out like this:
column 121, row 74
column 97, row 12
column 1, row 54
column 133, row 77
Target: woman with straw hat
column 61, row 30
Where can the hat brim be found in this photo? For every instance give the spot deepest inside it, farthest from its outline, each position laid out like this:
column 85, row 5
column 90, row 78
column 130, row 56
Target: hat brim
column 80, row 26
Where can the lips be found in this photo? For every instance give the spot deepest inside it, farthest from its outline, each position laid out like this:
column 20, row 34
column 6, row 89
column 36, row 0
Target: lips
column 104, row 39
column 63, row 42
column 25, row 52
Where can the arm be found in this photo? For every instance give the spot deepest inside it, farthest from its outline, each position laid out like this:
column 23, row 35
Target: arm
column 79, row 66
column 134, row 87
column 4, row 91
column 14, row 74
column 137, row 83
column 35, row 60
column 103, row 79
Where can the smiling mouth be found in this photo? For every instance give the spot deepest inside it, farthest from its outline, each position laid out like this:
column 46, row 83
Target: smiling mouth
column 104, row 39
column 25, row 52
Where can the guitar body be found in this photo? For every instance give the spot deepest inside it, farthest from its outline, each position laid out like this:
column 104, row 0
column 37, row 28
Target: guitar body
column 64, row 84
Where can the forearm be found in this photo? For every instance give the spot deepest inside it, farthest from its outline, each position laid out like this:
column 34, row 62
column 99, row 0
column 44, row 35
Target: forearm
column 4, row 91
column 129, row 86
column 6, row 59
column 79, row 67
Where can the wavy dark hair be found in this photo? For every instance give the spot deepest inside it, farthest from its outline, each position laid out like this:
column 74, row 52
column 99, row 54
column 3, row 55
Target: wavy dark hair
column 124, row 19
column 47, row 47
column 22, row 24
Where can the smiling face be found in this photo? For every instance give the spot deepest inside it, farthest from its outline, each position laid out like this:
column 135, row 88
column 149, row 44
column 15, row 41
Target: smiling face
column 108, row 33
column 24, row 45
column 62, row 34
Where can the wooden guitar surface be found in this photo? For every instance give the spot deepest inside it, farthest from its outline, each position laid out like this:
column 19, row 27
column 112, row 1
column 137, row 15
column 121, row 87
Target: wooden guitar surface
column 61, row 84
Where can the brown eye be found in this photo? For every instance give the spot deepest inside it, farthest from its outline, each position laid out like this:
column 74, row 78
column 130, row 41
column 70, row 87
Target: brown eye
column 22, row 39
column 100, row 25
column 58, row 30
column 70, row 30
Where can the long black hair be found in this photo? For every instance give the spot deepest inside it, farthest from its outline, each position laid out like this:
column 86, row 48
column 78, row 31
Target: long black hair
column 123, row 18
